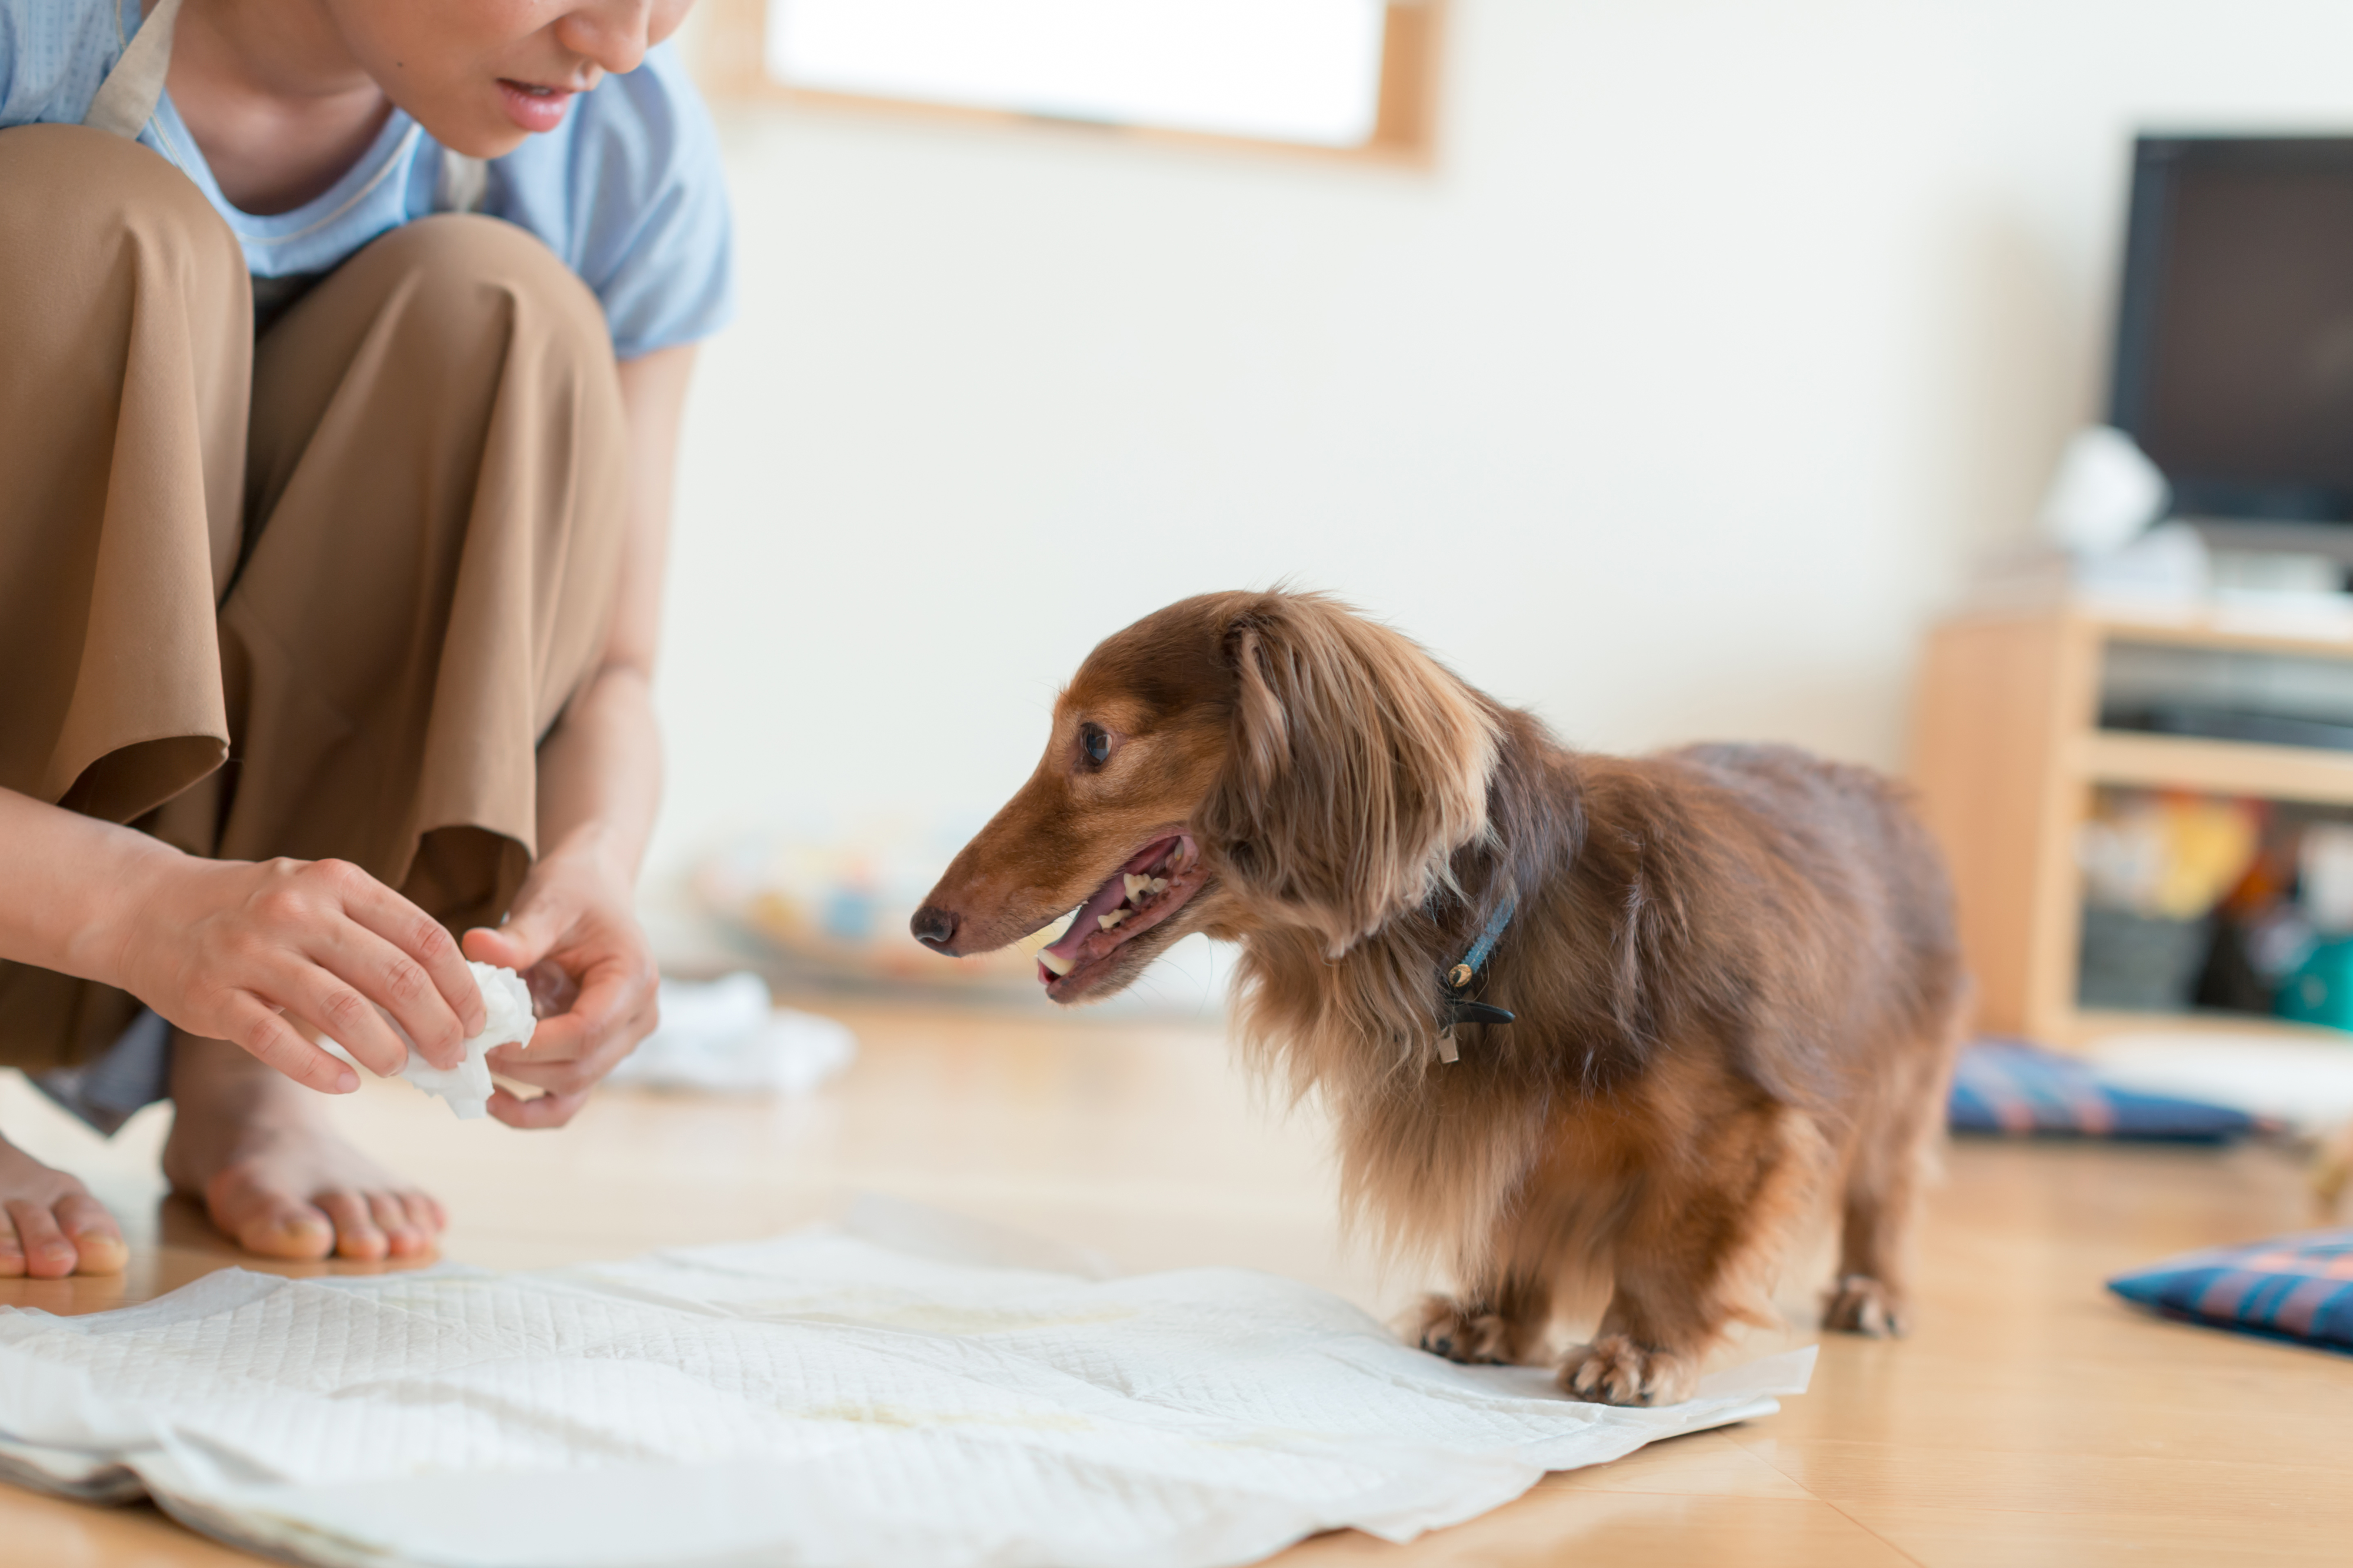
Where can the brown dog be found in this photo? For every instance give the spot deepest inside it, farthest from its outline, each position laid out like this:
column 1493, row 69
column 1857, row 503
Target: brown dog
column 1731, row 968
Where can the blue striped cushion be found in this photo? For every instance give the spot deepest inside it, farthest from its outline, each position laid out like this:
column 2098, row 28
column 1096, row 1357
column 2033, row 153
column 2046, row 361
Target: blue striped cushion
column 2295, row 1288
column 2008, row 1086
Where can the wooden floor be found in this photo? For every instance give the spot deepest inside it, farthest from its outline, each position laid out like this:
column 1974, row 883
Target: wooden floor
column 2030, row 1420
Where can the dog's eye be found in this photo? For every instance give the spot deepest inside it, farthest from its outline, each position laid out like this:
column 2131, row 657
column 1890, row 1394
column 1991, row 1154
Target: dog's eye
column 1095, row 742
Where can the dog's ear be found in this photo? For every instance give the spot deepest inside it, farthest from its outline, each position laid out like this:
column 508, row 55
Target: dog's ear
column 1357, row 766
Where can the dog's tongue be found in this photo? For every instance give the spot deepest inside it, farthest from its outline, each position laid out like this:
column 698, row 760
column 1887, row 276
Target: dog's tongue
column 1087, row 921
column 1109, row 896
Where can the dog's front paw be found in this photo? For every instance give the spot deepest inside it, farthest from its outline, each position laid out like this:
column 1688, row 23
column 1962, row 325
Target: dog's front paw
column 1861, row 1305
column 1460, row 1331
column 1614, row 1369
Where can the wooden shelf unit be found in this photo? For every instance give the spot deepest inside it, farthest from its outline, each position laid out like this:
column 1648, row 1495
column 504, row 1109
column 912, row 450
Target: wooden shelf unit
column 2007, row 751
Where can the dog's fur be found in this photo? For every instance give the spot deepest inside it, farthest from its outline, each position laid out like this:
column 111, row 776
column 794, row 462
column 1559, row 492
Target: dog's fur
column 1734, row 969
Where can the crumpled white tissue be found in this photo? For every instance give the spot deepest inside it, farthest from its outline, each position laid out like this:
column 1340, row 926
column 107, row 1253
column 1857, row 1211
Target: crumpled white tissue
column 825, row 1400
column 728, row 1037
column 465, row 1087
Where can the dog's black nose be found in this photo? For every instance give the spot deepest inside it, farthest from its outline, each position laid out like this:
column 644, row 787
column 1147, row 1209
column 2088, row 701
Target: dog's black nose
column 934, row 926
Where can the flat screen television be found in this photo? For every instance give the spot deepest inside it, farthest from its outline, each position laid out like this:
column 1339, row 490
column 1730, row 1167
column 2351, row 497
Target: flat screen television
column 2235, row 345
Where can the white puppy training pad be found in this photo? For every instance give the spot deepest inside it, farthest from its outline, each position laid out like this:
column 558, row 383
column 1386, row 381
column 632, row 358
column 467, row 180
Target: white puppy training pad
column 822, row 1399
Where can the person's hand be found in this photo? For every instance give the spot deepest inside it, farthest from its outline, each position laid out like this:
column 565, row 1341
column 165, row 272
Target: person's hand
column 240, row 951
column 574, row 916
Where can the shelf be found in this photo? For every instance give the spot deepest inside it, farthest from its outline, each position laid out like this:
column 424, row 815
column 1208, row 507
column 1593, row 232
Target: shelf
column 2089, row 1024
column 2220, row 767
column 2233, row 631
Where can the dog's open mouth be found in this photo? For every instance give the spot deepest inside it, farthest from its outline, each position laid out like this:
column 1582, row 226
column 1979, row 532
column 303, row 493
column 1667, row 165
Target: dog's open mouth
column 1153, row 885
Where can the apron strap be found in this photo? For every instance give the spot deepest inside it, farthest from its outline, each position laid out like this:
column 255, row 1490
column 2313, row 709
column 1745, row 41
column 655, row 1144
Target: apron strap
column 464, row 183
column 126, row 99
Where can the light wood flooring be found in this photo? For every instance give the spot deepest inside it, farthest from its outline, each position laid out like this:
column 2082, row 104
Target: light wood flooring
column 2030, row 1420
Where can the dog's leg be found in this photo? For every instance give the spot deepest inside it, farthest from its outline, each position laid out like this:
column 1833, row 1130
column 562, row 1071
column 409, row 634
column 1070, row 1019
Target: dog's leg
column 1696, row 1256
column 1894, row 1152
column 1502, row 1322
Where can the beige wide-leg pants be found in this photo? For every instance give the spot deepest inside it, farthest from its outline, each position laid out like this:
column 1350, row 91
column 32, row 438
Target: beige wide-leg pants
column 318, row 594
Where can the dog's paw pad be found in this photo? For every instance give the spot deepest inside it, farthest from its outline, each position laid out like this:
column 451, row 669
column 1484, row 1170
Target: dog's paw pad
column 1861, row 1305
column 1614, row 1369
column 1462, row 1332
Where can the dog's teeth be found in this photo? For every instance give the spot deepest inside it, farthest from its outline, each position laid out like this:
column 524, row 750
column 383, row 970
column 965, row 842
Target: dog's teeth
column 1157, row 884
column 1111, row 920
column 1135, row 886
column 1054, row 961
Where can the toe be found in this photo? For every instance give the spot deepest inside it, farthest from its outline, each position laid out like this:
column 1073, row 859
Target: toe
column 356, row 1235
column 12, row 1251
column 47, row 1252
column 425, row 1214
column 281, row 1227
column 401, row 1238
column 96, row 1239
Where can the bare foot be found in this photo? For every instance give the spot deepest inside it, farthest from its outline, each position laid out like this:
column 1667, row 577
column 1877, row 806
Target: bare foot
column 255, row 1149
column 49, row 1225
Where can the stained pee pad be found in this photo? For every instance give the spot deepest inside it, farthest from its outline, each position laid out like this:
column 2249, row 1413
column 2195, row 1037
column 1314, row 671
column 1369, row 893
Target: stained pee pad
column 890, row 1392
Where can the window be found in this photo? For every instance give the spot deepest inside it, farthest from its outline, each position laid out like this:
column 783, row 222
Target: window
column 1348, row 76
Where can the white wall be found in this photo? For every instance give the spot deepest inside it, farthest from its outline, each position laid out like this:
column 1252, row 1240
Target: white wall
column 1674, row 404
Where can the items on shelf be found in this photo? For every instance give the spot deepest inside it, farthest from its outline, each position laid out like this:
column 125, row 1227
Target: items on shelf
column 2213, row 901
column 2155, row 867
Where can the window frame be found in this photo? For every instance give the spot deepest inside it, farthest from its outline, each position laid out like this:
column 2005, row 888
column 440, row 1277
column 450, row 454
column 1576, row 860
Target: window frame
column 731, row 57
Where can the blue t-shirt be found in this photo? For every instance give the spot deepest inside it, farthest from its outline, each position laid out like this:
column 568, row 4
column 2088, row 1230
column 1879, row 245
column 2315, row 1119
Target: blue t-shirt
column 627, row 191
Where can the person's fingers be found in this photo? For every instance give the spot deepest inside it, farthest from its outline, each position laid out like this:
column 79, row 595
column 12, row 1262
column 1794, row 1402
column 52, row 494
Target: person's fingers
column 47, row 1254
column 356, row 1235
column 547, row 1111
column 583, row 1072
column 400, row 986
column 319, row 999
column 273, row 1041
column 423, row 939
column 610, row 994
column 97, row 1240
column 397, row 982
column 575, row 1077
column 523, row 942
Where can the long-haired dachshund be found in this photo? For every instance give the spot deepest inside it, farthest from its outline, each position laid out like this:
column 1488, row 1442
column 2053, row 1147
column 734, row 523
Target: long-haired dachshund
column 1729, row 972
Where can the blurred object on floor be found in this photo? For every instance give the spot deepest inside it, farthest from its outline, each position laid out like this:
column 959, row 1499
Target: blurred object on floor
column 728, row 1037
column 2297, row 1288
column 2009, row 1087
column 831, row 910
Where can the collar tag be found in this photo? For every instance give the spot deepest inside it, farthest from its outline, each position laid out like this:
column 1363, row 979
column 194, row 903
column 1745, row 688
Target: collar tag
column 1454, row 1004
